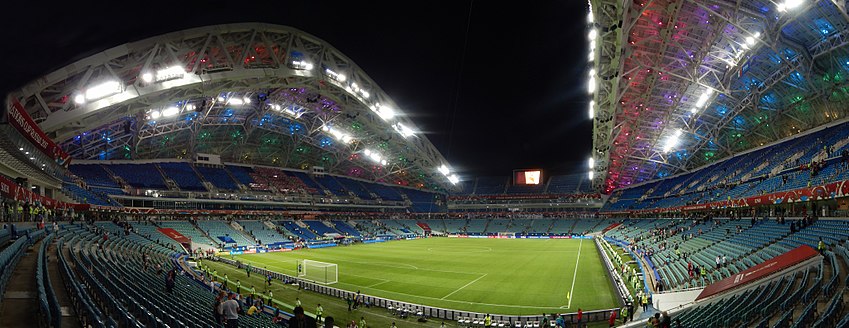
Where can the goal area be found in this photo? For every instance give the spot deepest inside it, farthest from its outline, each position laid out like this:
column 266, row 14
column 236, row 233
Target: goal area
column 318, row 272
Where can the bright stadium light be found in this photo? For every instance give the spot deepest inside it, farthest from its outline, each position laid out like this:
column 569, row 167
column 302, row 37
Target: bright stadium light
column 374, row 156
column 403, row 130
column 103, row 90
column 591, row 85
column 235, row 101
column 592, row 175
column 453, row 179
column 301, row 64
column 591, row 162
column 750, row 40
column 592, row 109
column 246, row 99
column 702, row 101
column 384, row 112
column 79, row 99
column 590, row 18
column 789, row 5
column 170, row 111
column 154, row 114
column 593, row 34
column 444, row 170
column 335, row 76
column 147, row 77
column 672, row 141
column 339, row 135
column 170, row 73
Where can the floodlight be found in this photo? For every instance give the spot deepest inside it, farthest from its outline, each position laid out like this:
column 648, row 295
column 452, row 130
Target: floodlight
column 591, row 85
column 170, row 111
column 385, row 112
column 593, row 34
column 403, row 130
column 170, row 73
column 592, row 109
column 79, row 99
column 154, row 114
column 444, row 170
column 453, row 179
column 147, row 77
column 102, row 90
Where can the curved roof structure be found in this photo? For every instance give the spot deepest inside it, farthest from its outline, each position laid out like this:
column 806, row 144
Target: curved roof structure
column 252, row 92
column 683, row 83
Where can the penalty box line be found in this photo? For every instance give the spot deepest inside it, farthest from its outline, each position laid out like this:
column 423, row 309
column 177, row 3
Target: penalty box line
column 464, row 286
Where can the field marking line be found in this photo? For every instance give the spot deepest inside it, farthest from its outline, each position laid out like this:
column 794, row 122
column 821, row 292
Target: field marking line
column 464, row 286
column 379, row 283
column 580, row 245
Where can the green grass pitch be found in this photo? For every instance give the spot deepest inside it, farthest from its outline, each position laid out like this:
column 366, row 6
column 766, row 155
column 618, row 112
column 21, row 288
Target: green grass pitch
column 499, row 276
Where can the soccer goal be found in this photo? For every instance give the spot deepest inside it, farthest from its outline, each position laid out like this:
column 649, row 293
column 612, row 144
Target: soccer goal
column 319, row 272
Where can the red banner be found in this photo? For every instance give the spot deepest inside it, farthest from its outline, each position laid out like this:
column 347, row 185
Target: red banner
column 20, row 119
column 765, row 269
column 173, row 234
column 12, row 190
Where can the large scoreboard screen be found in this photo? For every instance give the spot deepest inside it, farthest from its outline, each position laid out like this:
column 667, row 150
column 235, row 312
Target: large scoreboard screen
column 527, row 177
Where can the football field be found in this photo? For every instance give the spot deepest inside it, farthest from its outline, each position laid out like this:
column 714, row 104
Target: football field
column 500, row 276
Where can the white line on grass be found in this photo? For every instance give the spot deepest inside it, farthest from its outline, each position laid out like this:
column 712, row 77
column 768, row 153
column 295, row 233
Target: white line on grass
column 464, row 286
column 375, row 284
column 576, row 273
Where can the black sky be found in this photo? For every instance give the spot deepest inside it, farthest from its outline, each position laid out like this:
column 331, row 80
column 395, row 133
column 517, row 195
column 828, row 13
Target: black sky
column 517, row 100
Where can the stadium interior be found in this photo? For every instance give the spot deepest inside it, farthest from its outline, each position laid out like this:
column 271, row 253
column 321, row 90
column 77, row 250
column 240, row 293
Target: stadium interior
column 144, row 185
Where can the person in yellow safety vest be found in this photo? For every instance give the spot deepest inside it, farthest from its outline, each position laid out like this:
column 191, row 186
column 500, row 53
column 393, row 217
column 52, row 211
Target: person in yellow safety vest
column 362, row 323
column 645, row 302
column 318, row 312
column 821, row 246
column 487, row 320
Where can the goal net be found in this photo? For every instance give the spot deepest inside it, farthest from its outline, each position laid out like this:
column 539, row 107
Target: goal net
column 319, row 272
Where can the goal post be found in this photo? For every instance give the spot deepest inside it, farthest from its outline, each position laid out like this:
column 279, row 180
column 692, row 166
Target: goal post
column 318, row 272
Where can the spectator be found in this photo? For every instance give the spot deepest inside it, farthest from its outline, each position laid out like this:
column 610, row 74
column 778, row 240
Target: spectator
column 665, row 320
column 329, row 322
column 300, row 320
column 230, row 312
column 612, row 319
column 169, row 281
column 216, row 306
column 253, row 309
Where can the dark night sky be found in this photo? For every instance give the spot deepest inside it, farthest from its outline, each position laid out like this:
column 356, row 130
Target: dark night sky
column 517, row 100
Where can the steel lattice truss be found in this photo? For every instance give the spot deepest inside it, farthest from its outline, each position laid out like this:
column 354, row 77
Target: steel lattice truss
column 297, row 87
column 656, row 58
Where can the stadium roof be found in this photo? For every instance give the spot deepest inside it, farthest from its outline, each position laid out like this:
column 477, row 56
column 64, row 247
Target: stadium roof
column 681, row 84
column 254, row 93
